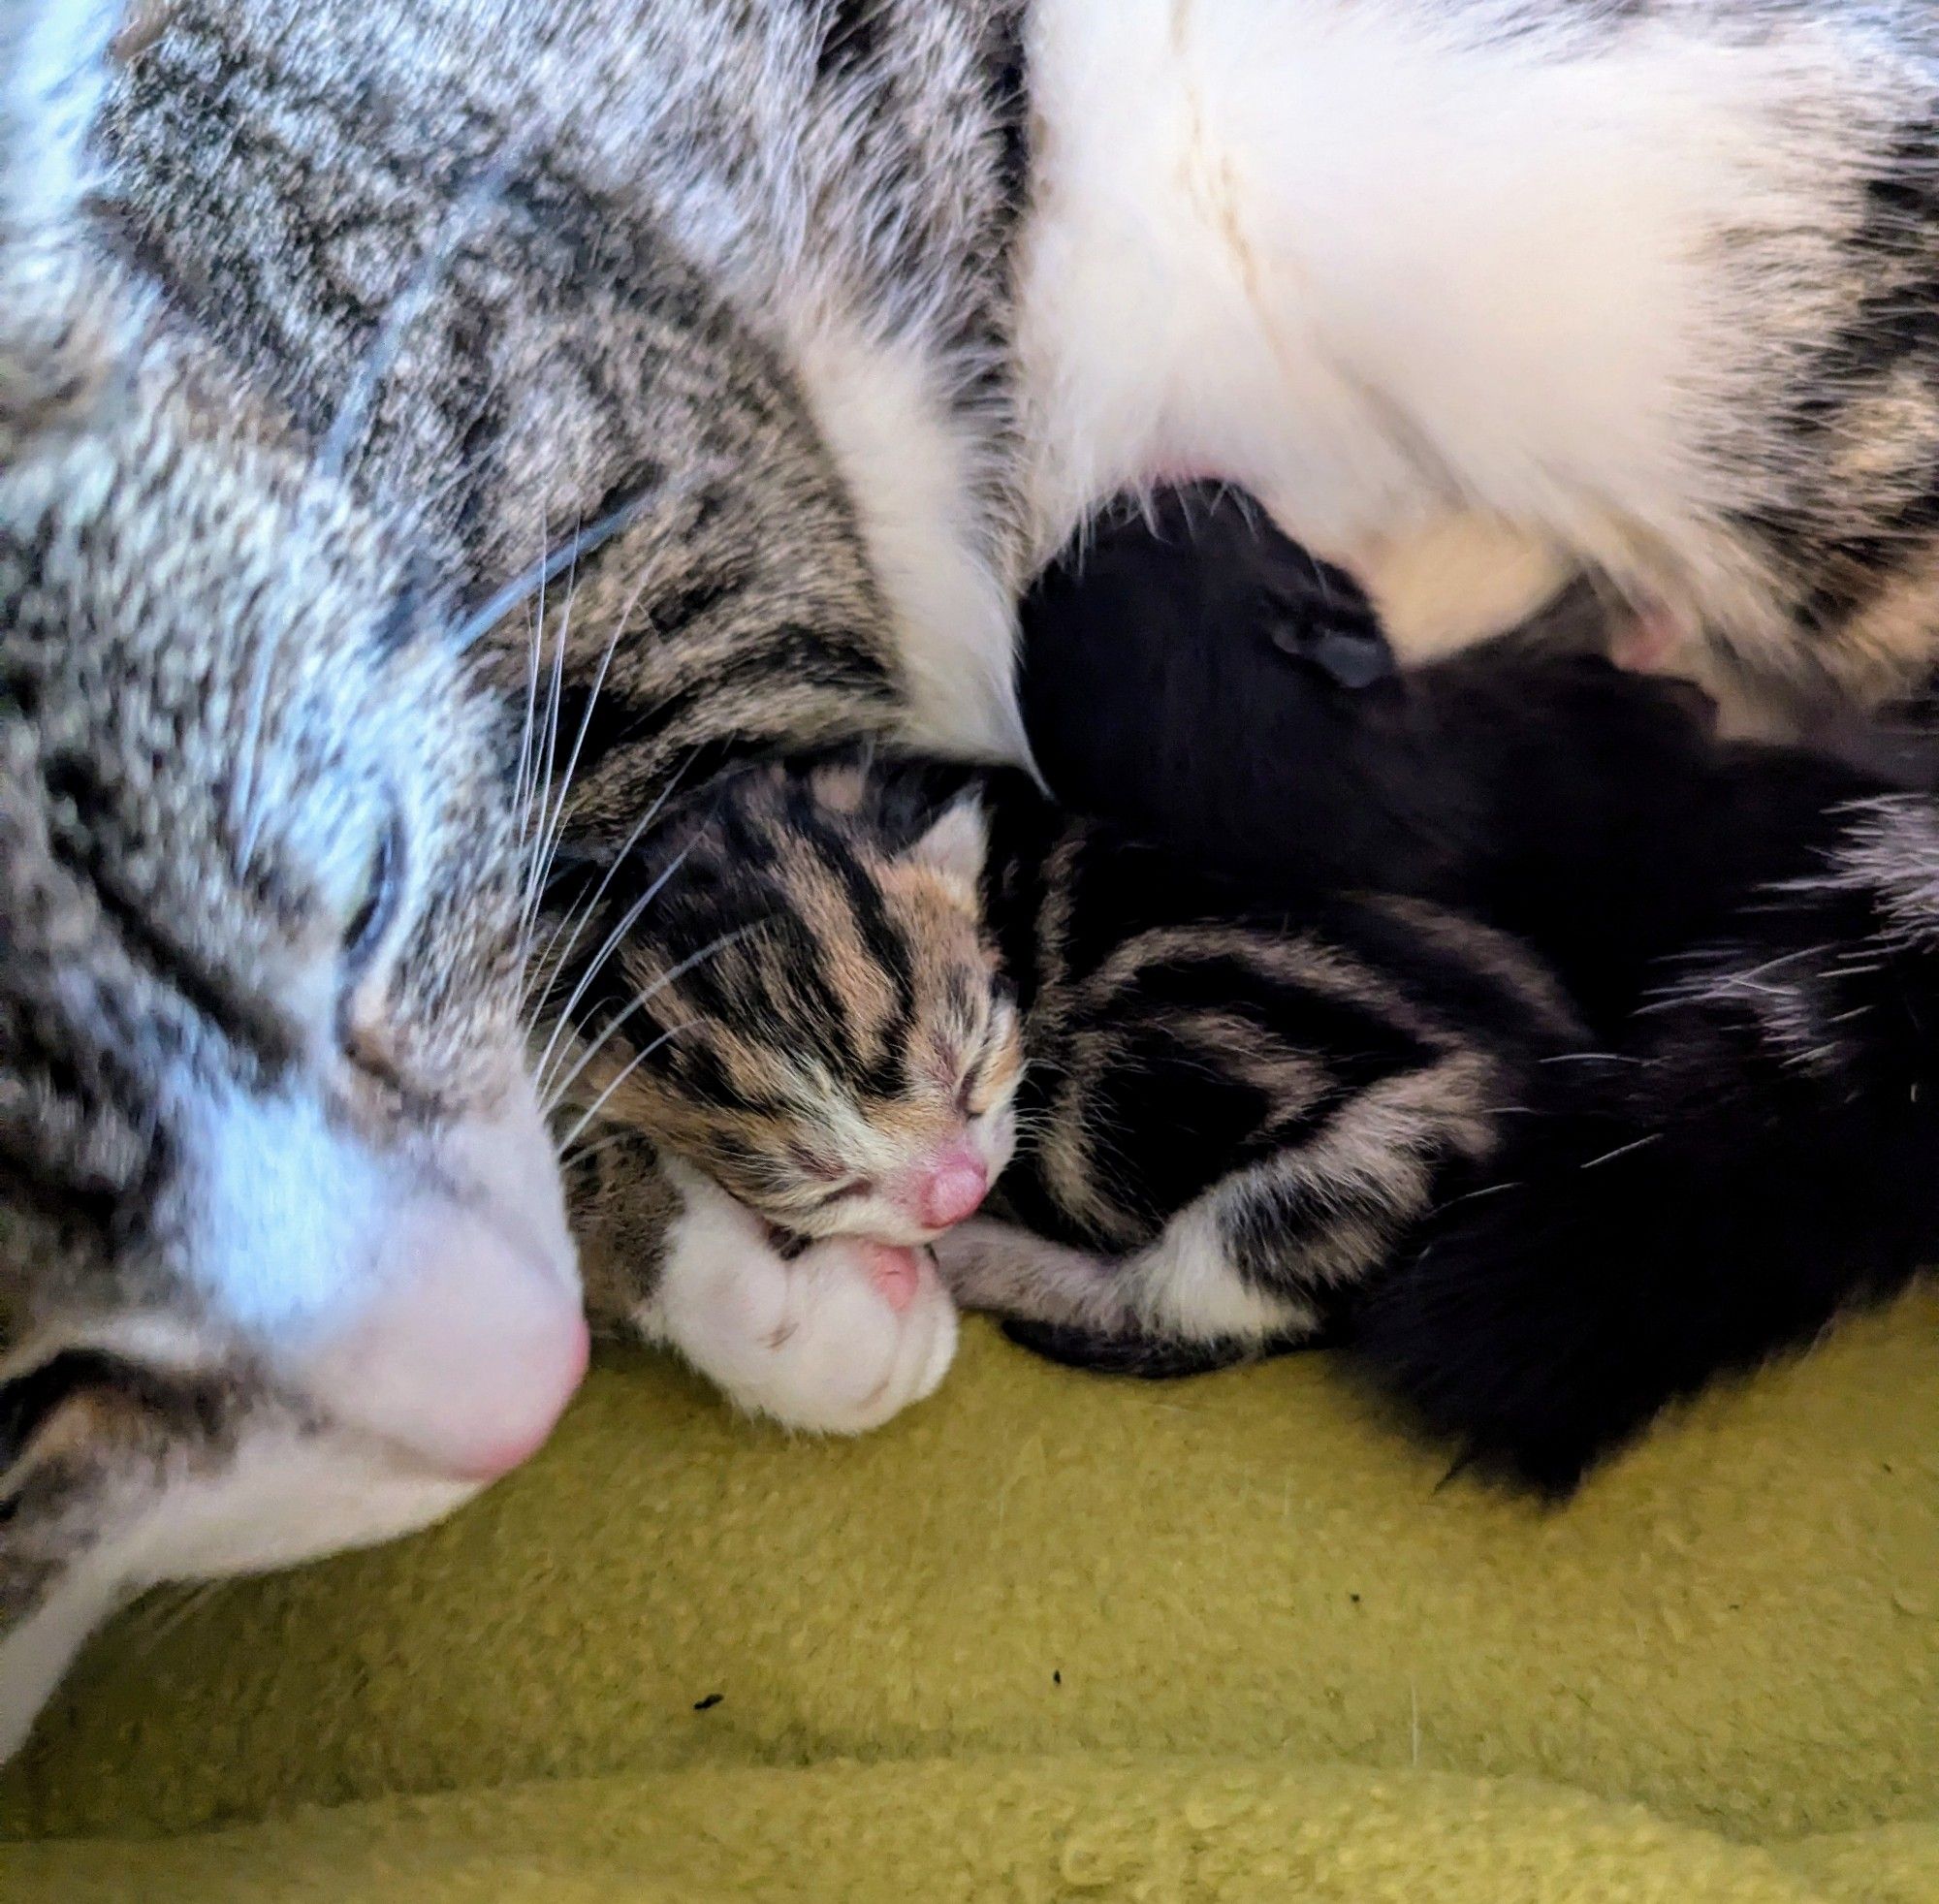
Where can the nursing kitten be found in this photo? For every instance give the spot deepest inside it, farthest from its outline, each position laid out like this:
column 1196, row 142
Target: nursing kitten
column 805, row 1016
column 799, row 335
column 1251, row 1112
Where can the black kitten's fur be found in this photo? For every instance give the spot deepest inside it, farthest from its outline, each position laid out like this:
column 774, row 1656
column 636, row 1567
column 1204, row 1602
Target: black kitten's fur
column 1752, row 932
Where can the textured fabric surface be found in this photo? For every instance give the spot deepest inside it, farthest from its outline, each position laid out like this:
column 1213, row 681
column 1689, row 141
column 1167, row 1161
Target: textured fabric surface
column 1049, row 1635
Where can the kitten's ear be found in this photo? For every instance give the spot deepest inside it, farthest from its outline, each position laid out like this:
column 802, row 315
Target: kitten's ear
column 955, row 843
column 55, row 354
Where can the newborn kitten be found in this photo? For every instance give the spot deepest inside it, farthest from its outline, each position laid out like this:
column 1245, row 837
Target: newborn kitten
column 1254, row 1112
column 834, row 1050
column 798, row 1032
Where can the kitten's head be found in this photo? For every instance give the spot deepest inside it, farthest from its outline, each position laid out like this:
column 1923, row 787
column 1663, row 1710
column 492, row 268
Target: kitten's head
column 817, row 1012
column 283, row 1259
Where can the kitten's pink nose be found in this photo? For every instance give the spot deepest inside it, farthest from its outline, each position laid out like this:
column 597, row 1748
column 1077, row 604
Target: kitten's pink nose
column 952, row 1189
column 469, row 1353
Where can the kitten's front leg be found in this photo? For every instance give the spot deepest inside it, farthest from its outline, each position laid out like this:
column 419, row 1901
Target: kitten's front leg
column 1177, row 1307
column 835, row 1340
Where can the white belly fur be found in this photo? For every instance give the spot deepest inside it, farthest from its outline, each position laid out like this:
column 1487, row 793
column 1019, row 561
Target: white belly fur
column 1446, row 304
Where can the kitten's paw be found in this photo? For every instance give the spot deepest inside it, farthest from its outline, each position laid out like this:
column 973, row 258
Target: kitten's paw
column 836, row 1341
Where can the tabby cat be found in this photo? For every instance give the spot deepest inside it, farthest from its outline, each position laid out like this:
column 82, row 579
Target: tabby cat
column 794, row 336
column 1542, row 1182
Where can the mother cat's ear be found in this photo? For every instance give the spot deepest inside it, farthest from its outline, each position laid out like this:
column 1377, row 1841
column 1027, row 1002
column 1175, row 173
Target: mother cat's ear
column 56, row 354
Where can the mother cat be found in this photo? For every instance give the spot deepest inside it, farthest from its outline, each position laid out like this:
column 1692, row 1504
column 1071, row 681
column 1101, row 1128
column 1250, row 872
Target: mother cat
column 836, row 318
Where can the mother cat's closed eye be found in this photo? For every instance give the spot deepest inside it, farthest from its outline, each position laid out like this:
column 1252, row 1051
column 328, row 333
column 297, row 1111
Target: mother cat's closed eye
column 358, row 306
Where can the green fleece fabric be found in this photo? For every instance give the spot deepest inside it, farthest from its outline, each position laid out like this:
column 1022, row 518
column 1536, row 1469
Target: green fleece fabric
column 1052, row 1636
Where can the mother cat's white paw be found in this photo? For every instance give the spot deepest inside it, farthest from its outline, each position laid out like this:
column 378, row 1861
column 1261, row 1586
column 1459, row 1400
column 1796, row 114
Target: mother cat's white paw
column 825, row 1341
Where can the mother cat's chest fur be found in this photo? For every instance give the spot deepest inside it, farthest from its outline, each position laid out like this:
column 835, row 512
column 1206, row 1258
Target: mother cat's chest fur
column 1473, row 297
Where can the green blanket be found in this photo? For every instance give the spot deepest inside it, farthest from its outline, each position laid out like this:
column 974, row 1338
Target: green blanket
column 1051, row 1636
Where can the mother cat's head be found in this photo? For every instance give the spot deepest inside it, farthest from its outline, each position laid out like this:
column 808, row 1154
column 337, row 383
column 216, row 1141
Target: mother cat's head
column 283, row 1265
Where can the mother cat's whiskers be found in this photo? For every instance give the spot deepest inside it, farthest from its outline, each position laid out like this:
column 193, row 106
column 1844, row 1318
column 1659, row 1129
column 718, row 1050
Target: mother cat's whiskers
column 531, row 815
column 627, row 1070
column 527, row 733
column 626, row 922
column 563, row 938
column 551, row 1098
column 552, row 814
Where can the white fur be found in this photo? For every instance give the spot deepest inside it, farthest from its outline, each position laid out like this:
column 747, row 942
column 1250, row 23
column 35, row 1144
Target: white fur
column 288, row 1496
column 812, row 1344
column 295, row 1215
column 306, row 1232
column 1184, row 1287
column 290, row 1212
column 36, row 1654
column 50, row 85
column 911, row 467
column 1403, row 276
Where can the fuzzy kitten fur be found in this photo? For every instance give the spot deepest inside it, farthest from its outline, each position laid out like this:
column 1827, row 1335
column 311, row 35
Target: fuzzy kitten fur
column 348, row 311
column 1540, row 1180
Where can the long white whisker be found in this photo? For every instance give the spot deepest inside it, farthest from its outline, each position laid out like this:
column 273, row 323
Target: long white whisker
column 599, row 1103
column 554, row 1099
column 535, row 806
column 536, row 988
column 540, row 815
column 522, row 786
column 627, row 920
column 573, row 1159
column 547, row 847
column 554, row 562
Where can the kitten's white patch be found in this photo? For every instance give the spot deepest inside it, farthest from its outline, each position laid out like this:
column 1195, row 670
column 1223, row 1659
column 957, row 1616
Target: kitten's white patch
column 1183, row 1287
column 1187, row 1285
column 910, row 467
column 812, row 1344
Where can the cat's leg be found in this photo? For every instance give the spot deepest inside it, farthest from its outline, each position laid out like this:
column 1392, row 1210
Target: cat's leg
column 1478, row 295
column 1181, row 1304
column 834, row 1340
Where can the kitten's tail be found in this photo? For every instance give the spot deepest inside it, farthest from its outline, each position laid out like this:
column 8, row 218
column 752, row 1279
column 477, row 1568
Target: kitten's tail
column 1763, row 1154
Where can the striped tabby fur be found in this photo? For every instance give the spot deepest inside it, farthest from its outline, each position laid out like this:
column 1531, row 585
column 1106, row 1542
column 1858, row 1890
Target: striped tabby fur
column 1540, row 1189
column 840, row 318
